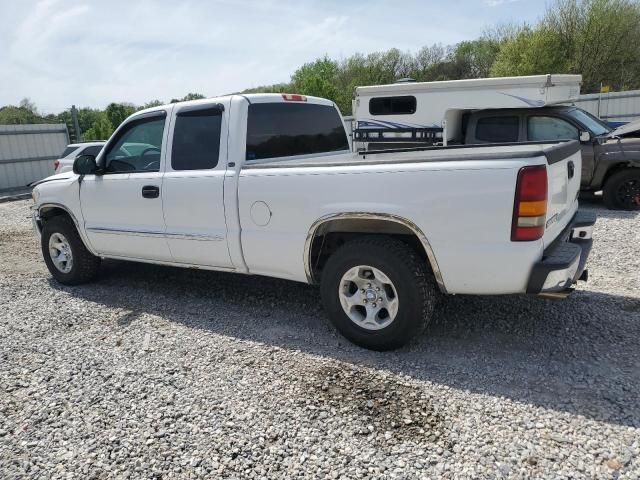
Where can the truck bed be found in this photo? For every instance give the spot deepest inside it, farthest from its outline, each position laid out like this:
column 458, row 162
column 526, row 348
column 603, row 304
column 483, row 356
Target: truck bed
column 553, row 152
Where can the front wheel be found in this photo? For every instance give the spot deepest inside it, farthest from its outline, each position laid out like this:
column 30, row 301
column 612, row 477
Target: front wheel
column 378, row 292
column 622, row 190
column 68, row 260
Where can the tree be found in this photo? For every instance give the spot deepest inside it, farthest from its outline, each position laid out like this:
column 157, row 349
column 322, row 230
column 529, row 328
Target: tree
column 595, row 38
column 317, row 78
column 152, row 103
column 118, row 112
column 87, row 117
column 476, row 57
column 101, row 128
column 601, row 38
column 531, row 52
column 25, row 113
column 187, row 97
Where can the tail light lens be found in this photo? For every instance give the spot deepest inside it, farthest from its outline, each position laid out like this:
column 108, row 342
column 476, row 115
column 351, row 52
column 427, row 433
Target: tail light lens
column 530, row 206
column 56, row 164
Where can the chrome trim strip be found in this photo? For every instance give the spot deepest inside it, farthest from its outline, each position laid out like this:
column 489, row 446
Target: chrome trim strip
column 113, row 231
column 371, row 216
column 195, row 236
column 168, row 235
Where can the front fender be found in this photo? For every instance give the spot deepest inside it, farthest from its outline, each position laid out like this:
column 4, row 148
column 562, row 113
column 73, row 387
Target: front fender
column 628, row 157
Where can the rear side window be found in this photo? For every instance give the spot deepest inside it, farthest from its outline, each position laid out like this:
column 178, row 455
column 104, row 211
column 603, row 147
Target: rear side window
column 550, row 128
column 404, row 105
column 68, row 151
column 289, row 129
column 196, row 140
column 94, row 150
column 497, row 129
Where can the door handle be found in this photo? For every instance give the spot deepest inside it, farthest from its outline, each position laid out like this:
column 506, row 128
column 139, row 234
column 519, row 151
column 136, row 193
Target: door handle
column 572, row 169
column 150, row 191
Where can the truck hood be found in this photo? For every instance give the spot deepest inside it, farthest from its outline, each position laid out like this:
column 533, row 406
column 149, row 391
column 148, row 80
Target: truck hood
column 53, row 178
column 626, row 129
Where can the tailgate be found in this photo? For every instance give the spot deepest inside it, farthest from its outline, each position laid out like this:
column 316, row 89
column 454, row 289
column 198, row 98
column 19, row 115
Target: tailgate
column 564, row 165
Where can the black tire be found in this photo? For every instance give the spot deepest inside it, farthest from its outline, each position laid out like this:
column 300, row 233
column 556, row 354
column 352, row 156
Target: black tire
column 85, row 265
column 416, row 290
column 622, row 190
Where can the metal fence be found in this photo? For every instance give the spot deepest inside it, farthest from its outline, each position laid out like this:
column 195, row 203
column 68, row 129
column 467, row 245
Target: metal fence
column 27, row 152
column 614, row 107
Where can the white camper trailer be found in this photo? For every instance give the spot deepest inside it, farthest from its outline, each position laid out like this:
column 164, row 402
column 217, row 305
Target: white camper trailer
column 431, row 112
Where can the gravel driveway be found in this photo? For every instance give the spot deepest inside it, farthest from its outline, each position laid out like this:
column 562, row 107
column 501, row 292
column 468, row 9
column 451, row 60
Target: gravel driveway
column 157, row 372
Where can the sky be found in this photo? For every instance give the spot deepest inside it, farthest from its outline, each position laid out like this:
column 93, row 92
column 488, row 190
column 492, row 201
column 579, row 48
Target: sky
column 92, row 53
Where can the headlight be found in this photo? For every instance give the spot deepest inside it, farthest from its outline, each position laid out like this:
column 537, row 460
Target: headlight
column 35, row 194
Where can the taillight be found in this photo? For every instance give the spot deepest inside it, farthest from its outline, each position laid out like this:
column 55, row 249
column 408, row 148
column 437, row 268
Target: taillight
column 294, row 97
column 530, row 206
column 56, row 164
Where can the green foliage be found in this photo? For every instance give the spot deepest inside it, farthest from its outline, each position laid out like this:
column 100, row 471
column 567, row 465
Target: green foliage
column 101, row 128
column 118, row 112
column 317, row 78
column 531, row 52
column 152, row 103
column 11, row 115
column 24, row 113
column 276, row 88
column 187, row 97
column 475, row 58
column 596, row 38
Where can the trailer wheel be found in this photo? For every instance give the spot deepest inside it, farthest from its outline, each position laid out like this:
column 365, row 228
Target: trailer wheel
column 378, row 292
column 622, row 190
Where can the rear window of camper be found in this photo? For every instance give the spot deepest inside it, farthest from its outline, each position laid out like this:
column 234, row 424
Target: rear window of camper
column 405, row 105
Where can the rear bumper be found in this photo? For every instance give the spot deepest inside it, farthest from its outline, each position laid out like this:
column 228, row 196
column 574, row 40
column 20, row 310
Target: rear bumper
column 563, row 262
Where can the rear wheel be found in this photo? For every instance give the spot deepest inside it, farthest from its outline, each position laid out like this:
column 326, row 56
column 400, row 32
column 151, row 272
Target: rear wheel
column 378, row 292
column 622, row 190
column 67, row 258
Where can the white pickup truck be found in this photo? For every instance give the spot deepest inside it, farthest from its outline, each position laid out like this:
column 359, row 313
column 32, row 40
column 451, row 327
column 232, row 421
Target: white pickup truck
column 267, row 184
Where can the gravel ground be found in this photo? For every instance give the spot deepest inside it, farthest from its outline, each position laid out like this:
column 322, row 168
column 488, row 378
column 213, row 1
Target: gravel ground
column 164, row 373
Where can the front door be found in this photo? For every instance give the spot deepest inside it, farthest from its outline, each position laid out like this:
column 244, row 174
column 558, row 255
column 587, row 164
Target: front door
column 122, row 209
column 193, row 196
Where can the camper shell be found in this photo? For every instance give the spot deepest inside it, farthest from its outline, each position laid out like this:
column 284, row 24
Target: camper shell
column 432, row 112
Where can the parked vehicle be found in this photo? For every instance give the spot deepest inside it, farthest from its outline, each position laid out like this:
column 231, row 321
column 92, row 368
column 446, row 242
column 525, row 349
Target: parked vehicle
column 73, row 150
column 610, row 158
column 267, row 184
column 503, row 110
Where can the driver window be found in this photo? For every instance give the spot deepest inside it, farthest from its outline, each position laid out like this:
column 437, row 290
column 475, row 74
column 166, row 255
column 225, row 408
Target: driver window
column 550, row 128
column 137, row 148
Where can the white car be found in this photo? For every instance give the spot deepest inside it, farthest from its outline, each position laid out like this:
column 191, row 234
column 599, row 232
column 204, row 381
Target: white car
column 73, row 150
column 267, row 184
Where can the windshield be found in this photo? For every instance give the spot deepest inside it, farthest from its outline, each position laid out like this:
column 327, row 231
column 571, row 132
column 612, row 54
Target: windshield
column 596, row 126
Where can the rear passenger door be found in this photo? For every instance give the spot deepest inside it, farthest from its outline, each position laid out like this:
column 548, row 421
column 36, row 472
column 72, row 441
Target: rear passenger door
column 193, row 200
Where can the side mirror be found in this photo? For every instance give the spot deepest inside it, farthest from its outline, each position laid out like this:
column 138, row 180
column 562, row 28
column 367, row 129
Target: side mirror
column 585, row 137
column 85, row 165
